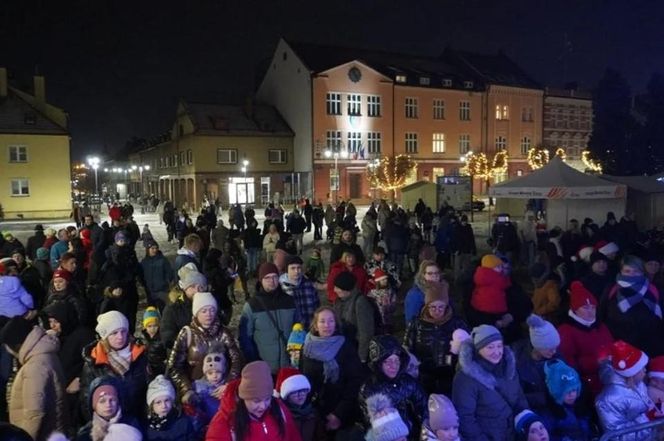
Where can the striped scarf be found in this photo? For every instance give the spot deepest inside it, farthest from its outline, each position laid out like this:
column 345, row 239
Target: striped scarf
column 635, row 289
column 120, row 361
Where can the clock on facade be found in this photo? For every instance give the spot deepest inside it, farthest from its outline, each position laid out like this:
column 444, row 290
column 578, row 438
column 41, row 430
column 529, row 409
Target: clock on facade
column 354, row 74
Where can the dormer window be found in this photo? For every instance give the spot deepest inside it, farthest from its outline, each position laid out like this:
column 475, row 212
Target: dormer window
column 447, row 82
column 400, row 78
column 468, row 84
column 425, row 81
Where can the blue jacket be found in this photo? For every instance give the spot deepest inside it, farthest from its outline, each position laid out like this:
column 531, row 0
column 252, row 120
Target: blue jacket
column 413, row 303
column 14, row 299
column 178, row 427
column 157, row 272
column 57, row 250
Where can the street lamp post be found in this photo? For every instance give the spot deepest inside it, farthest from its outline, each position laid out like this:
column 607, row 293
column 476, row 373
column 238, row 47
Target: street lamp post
column 336, row 154
column 94, row 163
column 465, row 159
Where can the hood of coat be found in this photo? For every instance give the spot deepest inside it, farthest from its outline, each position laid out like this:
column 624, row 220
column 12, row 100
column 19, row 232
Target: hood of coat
column 65, row 314
column 288, row 283
column 469, row 364
column 38, row 342
column 383, row 346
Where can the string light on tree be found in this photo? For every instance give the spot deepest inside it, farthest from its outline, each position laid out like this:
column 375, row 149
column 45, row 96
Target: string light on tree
column 477, row 165
column 499, row 163
column 589, row 163
column 537, row 157
column 391, row 172
column 561, row 153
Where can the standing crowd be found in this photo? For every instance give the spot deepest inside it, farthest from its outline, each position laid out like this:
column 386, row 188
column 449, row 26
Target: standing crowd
column 551, row 335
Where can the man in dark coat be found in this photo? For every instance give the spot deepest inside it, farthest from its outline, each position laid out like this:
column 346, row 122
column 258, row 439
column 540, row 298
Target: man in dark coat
column 35, row 242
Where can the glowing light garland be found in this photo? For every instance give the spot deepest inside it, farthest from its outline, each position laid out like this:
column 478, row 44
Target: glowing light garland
column 590, row 164
column 391, row 172
column 537, row 157
column 561, row 153
column 477, row 165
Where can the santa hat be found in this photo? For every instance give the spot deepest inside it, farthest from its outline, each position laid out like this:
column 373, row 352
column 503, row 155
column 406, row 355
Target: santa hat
column 609, row 248
column 62, row 274
column 583, row 253
column 580, row 296
column 656, row 367
column 627, row 360
column 290, row 380
column 379, row 275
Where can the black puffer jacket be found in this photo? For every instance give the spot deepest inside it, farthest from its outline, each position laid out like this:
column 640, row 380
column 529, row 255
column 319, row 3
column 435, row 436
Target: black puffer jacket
column 176, row 316
column 404, row 391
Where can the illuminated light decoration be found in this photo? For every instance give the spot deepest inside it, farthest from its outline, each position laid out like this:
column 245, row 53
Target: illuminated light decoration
column 538, row 158
column 561, row 153
column 390, row 172
column 499, row 163
column 589, row 163
column 477, row 165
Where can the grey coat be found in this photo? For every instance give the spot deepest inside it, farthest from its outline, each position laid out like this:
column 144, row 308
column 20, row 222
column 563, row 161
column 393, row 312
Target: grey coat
column 486, row 397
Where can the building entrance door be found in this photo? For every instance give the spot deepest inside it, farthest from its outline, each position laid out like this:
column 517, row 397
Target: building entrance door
column 241, row 190
column 355, row 185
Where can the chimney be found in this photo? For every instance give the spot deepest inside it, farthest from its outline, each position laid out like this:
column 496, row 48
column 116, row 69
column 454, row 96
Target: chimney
column 40, row 91
column 3, row 82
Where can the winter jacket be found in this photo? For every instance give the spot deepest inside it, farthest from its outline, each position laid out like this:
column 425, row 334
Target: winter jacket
column 34, row 242
column 185, row 362
column 265, row 324
column 404, row 391
column 339, row 249
column 396, row 238
column 581, row 346
column 70, row 297
column 218, row 237
column 57, row 250
column 297, row 225
column 531, row 375
column 157, row 272
column 176, row 315
column 566, row 423
column 620, row 406
column 85, row 432
column 361, row 276
column 37, row 396
column 14, row 299
column 157, row 353
column 414, row 302
column 338, row 398
column 489, row 295
column 178, row 427
column 430, row 343
column 185, row 256
column 546, row 300
column 486, row 396
column 304, row 294
column 369, row 229
column 357, row 316
column 252, row 238
column 222, row 426
column 134, row 382
column 629, row 326
column 463, row 239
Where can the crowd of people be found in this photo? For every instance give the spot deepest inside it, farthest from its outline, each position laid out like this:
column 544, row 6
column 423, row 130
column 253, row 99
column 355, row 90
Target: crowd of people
column 550, row 334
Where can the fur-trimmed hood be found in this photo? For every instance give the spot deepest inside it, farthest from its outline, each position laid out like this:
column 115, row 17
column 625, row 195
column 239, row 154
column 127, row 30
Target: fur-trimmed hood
column 469, row 365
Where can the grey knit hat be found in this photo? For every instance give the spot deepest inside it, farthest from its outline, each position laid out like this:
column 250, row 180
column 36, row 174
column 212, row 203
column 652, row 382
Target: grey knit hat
column 483, row 335
column 543, row 335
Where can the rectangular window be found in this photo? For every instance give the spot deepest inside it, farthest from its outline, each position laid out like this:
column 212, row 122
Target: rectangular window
column 18, row 153
column 411, row 107
column 525, row 145
column 20, row 187
column 501, row 143
column 438, row 109
column 468, row 84
column 527, row 114
column 438, row 143
column 373, row 105
column 373, row 142
column 464, row 144
column 447, row 82
column 190, row 157
column 277, row 156
column 333, row 102
column 425, row 81
column 182, row 158
column 411, row 142
column 333, row 140
column 502, row 112
column 437, row 171
column 464, row 110
column 400, row 78
column 226, row 156
column 354, row 105
column 354, row 142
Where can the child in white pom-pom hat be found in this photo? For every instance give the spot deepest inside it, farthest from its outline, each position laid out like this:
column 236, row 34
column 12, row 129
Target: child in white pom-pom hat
column 164, row 420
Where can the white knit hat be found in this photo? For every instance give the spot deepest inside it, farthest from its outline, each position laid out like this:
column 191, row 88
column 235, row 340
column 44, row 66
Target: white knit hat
column 123, row 432
column 609, row 248
column 109, row 322
column 160, row 387
column 201, row 300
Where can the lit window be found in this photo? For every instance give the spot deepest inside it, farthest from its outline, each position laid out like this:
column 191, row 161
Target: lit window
column 502, row 112
column 438, row 143
column 400, row 78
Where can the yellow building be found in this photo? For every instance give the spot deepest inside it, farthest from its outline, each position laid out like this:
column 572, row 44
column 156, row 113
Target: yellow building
column 237, row 154
column 35, row 180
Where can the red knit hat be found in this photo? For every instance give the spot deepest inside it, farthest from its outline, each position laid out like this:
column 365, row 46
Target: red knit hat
column 627, row 360
column 290, row 380
column 580, row 296
column 599, row 244
column 656, row 367
column 62, row 274
column 379, row 274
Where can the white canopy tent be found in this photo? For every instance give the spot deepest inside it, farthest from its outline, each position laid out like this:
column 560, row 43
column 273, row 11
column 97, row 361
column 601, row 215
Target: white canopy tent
column 568, row 193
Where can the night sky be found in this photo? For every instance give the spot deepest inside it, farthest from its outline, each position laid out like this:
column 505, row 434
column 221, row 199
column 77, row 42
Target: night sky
column 118, row 67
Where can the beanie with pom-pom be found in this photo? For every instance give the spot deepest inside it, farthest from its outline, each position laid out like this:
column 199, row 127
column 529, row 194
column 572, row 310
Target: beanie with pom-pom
column 543, row 335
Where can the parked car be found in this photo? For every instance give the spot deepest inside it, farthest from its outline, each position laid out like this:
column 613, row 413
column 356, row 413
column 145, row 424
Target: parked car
column 478, row 205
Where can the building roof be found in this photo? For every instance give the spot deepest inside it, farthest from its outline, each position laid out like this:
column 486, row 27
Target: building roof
column 568, row 93
column 644, row 184
column 18, row 116
column 496, row 69
column 319, row 58
column 228, row 120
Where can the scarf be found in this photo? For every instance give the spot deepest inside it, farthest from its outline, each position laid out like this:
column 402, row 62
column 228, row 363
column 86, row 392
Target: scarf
column 324, row 349
column 100, row 425
column 300, row 412
column 120, row 361
column 584, row 322
column 155, row 422
column 634, row 289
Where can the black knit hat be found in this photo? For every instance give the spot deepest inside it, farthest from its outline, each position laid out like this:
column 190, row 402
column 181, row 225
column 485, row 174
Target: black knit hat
column 15, row 331
column 292, row 260
column 345, row 281
column 596, row 256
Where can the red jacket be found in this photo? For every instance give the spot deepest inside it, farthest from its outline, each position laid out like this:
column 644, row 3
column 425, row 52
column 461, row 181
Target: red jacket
column 489, row 295
column 337, row 268
column 221, row 427
column 115, row 213
column 581, row 347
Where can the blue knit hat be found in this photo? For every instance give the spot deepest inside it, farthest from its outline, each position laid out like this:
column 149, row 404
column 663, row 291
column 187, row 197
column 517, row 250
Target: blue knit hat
column 561, row 379
column 523, row 421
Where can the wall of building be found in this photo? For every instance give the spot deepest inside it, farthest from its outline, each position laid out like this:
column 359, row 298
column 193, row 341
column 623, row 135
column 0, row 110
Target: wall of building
column 48, row 172
column 567, row 123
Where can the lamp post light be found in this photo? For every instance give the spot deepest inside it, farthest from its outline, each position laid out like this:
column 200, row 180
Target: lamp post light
column 336, row 155
column 245, row 164
column 94, row 161
column 465, row 158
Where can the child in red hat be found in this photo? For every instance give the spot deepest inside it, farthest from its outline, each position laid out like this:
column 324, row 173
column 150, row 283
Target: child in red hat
column 294, row 389
column 385, row 297
column 656, row 381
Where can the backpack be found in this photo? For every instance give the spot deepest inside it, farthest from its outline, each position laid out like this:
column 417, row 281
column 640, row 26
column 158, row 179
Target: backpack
column 379, row 327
